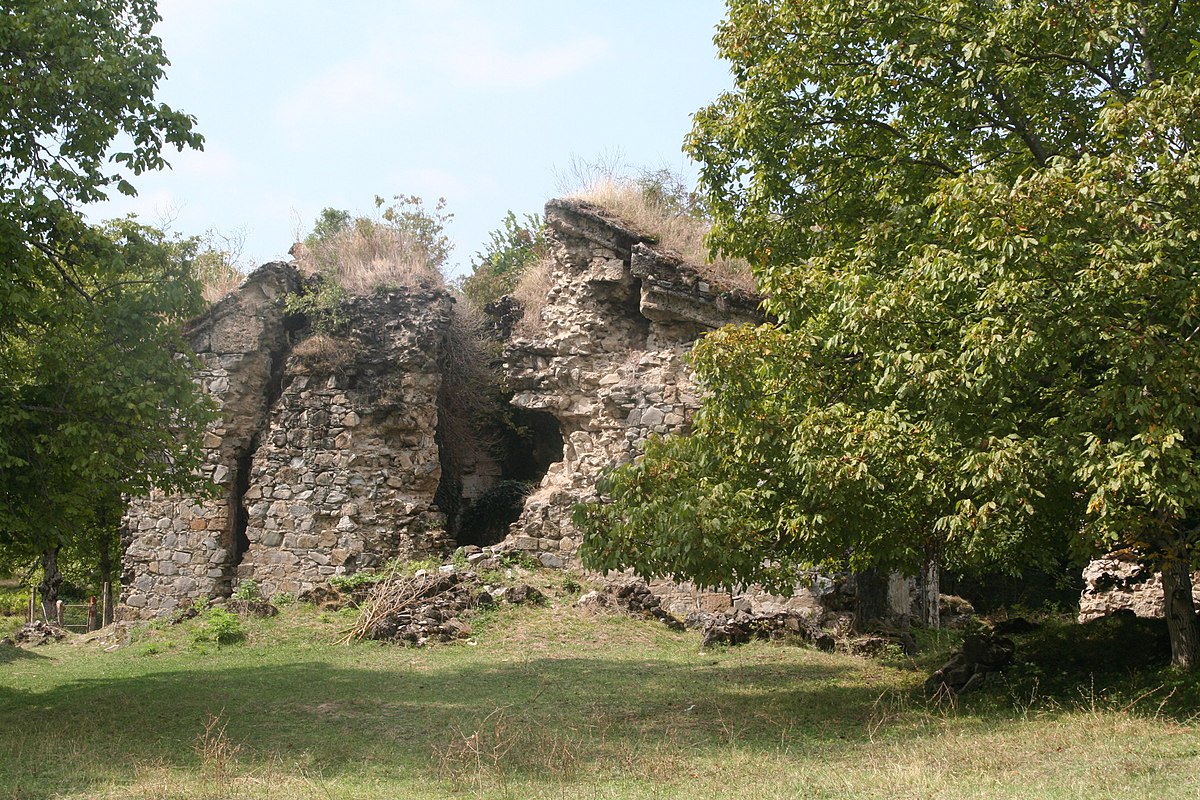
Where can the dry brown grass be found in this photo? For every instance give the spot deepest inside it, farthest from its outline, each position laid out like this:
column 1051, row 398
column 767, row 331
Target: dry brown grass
column 531, row 291
column 470, row 406
column 216, row 285
column 368, row 255
column 324, row 353
column 653, row 213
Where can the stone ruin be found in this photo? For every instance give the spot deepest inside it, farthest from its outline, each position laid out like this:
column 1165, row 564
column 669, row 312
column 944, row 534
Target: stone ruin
column 1121, row 582
column 335, row 454
column 325, row 452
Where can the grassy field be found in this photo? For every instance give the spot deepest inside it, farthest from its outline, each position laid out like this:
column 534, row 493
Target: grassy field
column 550, row 702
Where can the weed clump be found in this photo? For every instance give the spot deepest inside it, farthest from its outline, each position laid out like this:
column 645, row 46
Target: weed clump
column 219, row 627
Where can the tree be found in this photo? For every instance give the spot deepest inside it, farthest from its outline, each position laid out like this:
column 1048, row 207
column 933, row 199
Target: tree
column 511, row 249
column 975, row 226
column 94, row 400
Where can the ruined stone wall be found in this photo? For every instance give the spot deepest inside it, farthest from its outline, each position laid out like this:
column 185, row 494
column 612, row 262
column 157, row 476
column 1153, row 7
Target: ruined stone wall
column 325, row 452
column 606, row 359
column 181, row 548
column 348, row 468
column 1118, row 582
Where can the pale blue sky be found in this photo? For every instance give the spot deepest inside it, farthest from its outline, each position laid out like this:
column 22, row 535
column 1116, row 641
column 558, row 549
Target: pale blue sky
column 312, row 103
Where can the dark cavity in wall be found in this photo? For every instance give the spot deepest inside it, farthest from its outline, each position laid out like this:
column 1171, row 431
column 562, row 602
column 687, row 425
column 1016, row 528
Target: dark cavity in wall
column 532, row 442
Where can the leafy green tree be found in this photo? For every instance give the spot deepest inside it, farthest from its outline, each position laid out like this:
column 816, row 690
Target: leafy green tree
column 511, row 249
column 975, row 225
column 94, row 401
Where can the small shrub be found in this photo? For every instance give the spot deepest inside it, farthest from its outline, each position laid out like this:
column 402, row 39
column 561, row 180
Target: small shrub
column 322, row 304
column 220, row 627
column 405, row 245
column 14, row 602
column 512, row 248
column 348, row 583
column 248, row 590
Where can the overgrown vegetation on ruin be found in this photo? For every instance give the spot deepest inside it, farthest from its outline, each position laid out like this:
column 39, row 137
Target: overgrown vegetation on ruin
column 656, row 203
column 403, row 245
column 660, row 204
column 553, row 701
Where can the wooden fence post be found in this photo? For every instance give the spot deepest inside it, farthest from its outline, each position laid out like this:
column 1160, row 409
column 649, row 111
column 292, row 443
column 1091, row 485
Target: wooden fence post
column 59, row 613
column 32, row 604
column 92, row 617
column 106, row 611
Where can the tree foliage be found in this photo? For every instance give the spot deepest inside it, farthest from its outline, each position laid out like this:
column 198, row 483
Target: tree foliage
column 511, row 249
column 95, row 403
column 975, row 226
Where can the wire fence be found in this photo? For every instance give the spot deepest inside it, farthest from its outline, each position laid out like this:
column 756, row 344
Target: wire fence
column 76, row 617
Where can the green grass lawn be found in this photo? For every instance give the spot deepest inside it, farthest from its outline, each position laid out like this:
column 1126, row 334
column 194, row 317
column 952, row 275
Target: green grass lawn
column 549, row 702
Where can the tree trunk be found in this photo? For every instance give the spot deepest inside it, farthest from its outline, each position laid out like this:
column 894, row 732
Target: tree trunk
column 929, row 593
column 871, row 593
column 51, row 580
column 105, row 558
column 1182, row 626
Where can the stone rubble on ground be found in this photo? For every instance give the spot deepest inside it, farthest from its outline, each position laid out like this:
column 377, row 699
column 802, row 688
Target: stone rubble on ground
column 36, row 633
column 435, row 606
column 983, row 655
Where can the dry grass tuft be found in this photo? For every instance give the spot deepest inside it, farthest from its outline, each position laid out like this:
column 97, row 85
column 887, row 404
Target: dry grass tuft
column 470, row 406
column 506, row 747
column 367, row 256
column 216, row 285
column 325, row 354
column 652, row 209
column 531, row 292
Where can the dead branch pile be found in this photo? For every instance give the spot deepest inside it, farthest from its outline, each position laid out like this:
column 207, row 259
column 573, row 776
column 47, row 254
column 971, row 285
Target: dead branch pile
column 429, row 607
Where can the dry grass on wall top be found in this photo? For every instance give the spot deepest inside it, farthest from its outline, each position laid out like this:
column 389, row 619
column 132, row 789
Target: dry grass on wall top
column 656, row 213
column 368, row 255
column 216, row 285
column 532, row 291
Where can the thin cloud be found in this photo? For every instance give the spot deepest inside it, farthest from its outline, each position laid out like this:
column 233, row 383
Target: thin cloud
column 486, row 64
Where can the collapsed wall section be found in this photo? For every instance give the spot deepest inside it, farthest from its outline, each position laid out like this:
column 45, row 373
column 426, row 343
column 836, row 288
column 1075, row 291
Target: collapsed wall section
column 608, row 359
column 349, row 466
column 178, row 548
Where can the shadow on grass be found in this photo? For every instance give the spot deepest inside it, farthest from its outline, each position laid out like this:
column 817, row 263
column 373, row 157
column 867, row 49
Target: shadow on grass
column 336, row 719
column 10, row 653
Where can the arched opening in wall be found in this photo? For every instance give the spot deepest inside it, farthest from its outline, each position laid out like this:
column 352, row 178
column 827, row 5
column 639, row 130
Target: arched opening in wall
column 530, row 446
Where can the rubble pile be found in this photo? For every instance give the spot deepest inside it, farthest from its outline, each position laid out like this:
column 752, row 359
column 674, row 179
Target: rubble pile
column 742, row 626
column 431, row 606
column 634, row 597
column 983, row 655
column 37, row 633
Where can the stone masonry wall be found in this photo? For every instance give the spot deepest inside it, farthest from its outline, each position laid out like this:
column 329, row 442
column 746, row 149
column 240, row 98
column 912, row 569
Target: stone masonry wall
column 347, row 471
column 1119, row 581
column 181, row 548
column 608, row 360
column 325, row 454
